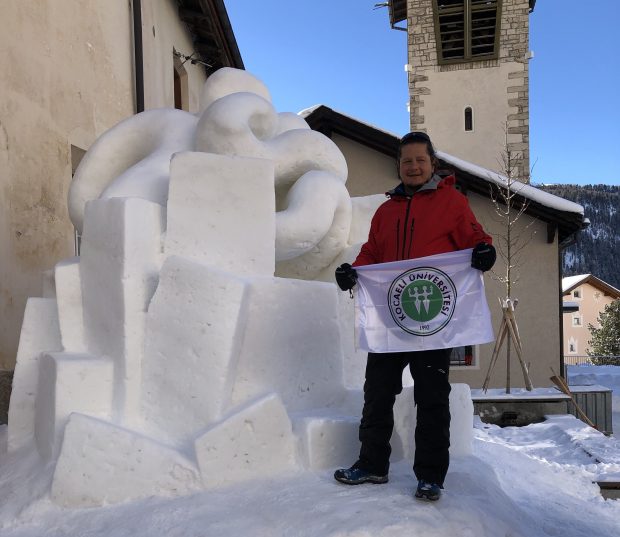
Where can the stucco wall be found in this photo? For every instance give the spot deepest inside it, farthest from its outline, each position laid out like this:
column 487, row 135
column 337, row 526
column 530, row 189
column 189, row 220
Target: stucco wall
column 449, row 93
column 67, row 77
column 163, row 32
column 370, row 171
column 537, row 313
column 65, row 80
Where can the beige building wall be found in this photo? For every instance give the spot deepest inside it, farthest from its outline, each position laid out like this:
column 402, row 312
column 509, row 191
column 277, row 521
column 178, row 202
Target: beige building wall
column 370, row 171
column 537, row 313
column 496, row 90
column 453, row 91
column 162, row 34
column 592, row 302
column 68, row 76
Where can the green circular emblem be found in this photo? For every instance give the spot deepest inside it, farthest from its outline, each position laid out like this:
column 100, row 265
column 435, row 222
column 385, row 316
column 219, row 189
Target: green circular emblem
column 422, row 300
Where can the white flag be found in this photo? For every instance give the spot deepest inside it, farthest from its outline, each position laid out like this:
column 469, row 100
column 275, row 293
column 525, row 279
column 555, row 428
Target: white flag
column 433, row 302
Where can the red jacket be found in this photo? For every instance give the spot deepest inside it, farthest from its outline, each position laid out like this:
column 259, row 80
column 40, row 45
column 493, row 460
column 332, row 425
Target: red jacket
column 435, row 220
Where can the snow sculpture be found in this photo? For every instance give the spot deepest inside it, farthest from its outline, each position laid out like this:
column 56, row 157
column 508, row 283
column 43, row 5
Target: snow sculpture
column 236, row 119
column 168, row 357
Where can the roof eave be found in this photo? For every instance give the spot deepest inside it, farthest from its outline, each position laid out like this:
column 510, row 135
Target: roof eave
column 398, row 11
column 212, row 34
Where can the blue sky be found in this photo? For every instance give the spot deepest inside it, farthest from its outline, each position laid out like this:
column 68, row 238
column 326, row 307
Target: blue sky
column 343, row 53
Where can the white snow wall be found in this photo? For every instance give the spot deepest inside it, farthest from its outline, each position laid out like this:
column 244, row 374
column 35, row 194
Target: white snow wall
column 171, row 358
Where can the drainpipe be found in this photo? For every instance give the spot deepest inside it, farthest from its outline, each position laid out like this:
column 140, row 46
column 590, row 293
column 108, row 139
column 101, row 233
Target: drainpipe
column 138, row 55
column 569, row 241
column 563, row 371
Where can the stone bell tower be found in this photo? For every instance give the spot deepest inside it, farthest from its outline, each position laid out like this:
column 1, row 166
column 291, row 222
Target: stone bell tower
column 468, row 77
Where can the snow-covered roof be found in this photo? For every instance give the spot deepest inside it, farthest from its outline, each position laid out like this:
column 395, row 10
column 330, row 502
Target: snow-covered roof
column 527, row 191
column 571, row 282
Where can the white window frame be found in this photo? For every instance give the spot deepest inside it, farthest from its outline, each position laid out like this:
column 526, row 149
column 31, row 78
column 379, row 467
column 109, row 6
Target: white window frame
column 572, row 342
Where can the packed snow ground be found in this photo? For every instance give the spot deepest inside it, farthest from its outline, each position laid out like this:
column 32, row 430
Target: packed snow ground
column 520, row 482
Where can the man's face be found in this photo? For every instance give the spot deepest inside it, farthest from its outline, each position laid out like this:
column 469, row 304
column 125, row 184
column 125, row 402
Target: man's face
column 415, row 165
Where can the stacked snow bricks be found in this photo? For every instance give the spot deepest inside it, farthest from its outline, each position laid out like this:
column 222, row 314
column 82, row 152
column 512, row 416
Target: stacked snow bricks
column 168, row 358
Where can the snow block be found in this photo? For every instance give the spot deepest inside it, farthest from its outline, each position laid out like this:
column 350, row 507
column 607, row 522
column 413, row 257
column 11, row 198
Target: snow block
column 329, row 437
column 194, row 329
column 221, row 212
column 328, row 441
column 256, row 442
column 291, row 344
column 69, row 298
column 40, row 332
column 69, row 383
column 462, row 424
column 354, row 360
column 405, row 416
column 101, row 463
column 119, row 268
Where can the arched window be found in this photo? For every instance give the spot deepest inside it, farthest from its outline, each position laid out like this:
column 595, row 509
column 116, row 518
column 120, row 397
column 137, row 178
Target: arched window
column 469, row 119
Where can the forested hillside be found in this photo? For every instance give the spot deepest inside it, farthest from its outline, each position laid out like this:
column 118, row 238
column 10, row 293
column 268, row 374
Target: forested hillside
column 598, row 248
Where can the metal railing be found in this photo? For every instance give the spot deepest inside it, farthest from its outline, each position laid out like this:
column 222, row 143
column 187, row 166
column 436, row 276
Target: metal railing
column 574, row 359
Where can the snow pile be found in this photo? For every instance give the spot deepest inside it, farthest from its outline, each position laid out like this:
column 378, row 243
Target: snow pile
column 518, row 482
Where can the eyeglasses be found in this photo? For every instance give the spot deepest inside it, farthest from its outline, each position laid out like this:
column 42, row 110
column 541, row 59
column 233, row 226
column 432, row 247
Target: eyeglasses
column 413, row 136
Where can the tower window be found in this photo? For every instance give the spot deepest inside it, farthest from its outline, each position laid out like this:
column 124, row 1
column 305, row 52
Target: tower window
column 466, row 30
column 469, row 119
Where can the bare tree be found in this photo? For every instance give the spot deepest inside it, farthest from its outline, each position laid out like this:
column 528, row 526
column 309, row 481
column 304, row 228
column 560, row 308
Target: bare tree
column 511, row 242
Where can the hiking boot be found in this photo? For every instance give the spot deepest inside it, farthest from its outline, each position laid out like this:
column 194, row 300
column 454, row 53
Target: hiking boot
column 428, row 491
column 357, row 476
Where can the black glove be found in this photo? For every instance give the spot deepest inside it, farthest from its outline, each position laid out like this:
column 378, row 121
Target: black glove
column 346, row 277
column 483, row 257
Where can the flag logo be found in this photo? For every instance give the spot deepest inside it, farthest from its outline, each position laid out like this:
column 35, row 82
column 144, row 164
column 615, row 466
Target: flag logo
column 422, row 300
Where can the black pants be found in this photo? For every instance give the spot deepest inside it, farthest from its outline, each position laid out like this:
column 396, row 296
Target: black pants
column 431, row 390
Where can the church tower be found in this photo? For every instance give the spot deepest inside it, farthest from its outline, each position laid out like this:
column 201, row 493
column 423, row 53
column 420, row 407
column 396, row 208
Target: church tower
column 468, row 77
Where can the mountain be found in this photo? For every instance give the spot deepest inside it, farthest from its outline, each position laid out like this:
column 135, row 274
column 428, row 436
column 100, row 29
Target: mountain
column 597, row 250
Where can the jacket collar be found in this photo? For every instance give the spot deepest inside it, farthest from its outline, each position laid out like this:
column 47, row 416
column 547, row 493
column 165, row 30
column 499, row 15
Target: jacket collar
column 431, row 184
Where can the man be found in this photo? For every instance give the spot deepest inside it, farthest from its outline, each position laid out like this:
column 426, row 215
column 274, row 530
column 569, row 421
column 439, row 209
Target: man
column 424, row 215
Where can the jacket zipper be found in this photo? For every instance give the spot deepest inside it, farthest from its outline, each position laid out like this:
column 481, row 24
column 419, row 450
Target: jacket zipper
column 405, row 228
column 397, row 236
column 410, row 239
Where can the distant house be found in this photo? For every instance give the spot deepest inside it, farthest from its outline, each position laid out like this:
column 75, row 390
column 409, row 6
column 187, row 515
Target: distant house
column 588, row 296
column 370, row 153
column 71, row 71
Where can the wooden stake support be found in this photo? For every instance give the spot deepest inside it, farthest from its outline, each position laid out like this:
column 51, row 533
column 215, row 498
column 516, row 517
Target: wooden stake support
column 561, row 383
column 508, row 328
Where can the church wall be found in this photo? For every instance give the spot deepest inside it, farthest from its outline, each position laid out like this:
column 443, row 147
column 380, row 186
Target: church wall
column 537, row 311
column 162, row 33
column 370, row 171
column 65, row 80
